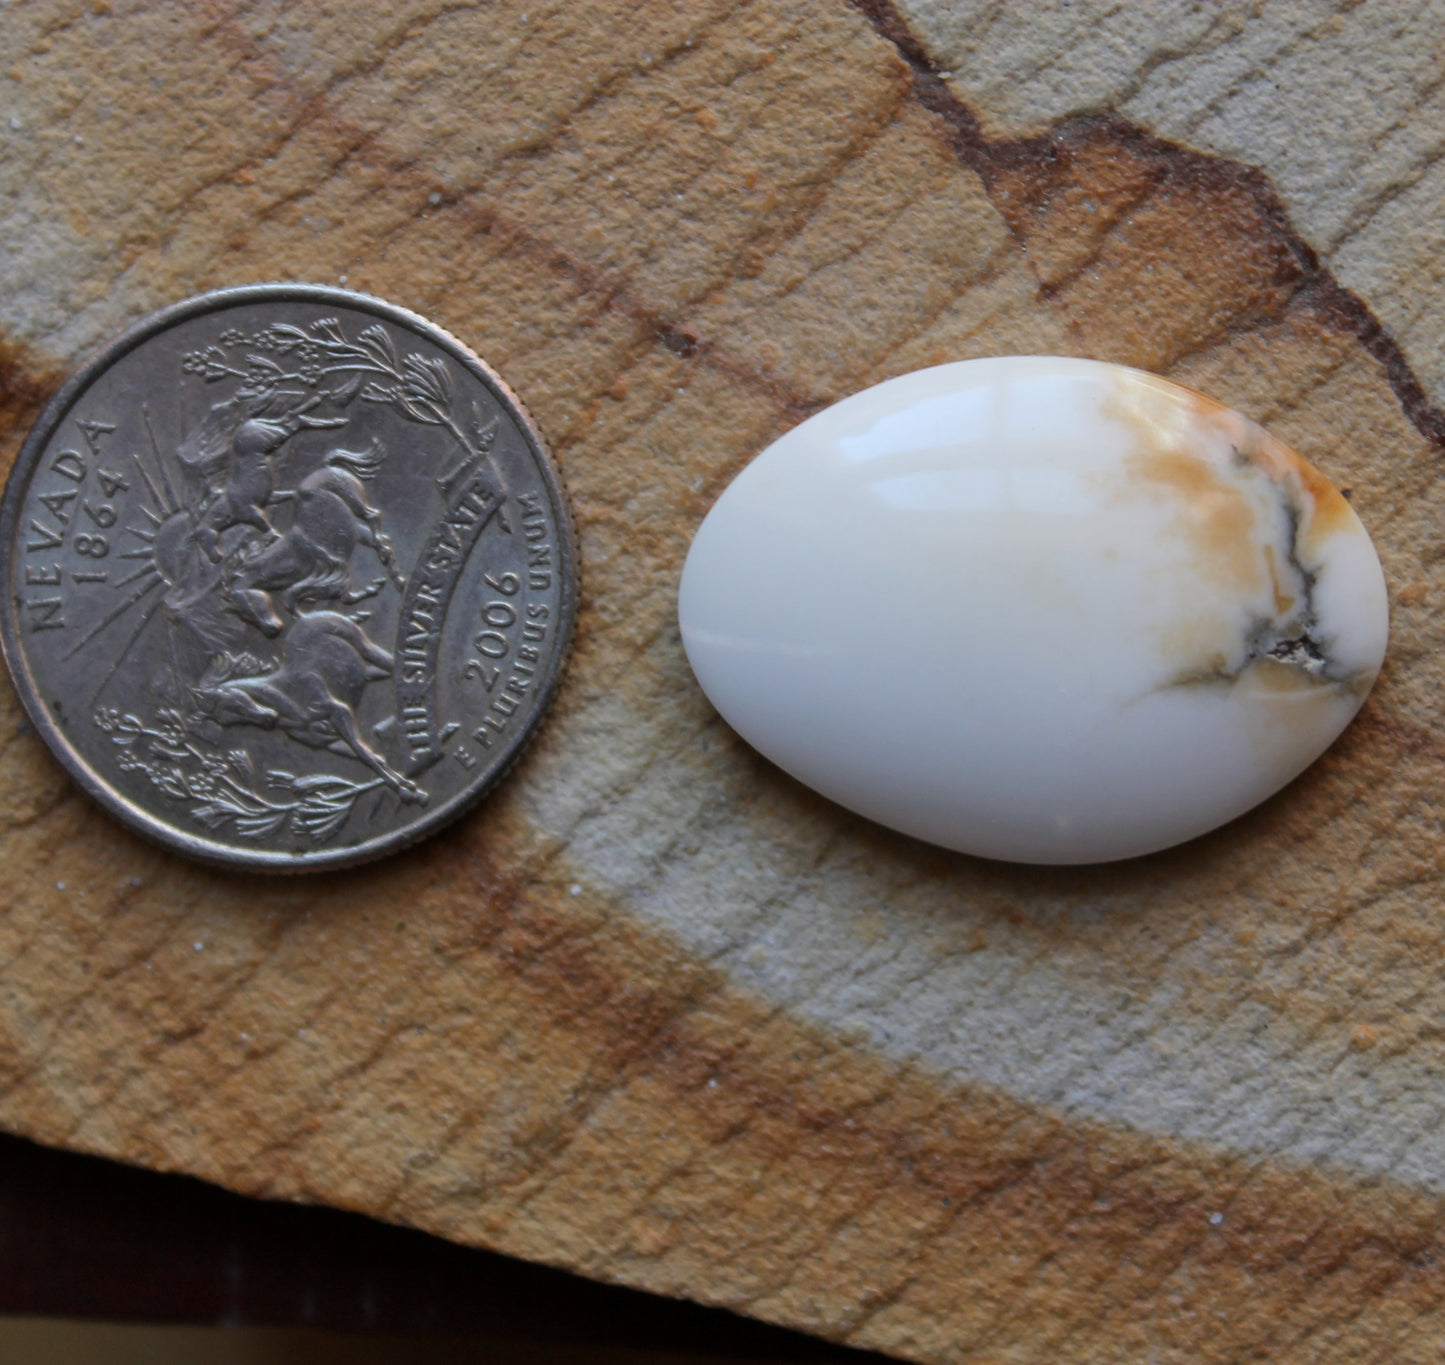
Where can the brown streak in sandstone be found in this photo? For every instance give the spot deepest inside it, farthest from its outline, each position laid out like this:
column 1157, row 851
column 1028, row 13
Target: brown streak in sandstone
column 25, row 388
column 1236, row 205
column 613, row 291
column 738, row 1072
column 615, row 295
column 987, row 1186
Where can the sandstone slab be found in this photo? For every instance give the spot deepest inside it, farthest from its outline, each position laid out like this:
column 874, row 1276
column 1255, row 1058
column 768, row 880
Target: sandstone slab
column 654, row 1012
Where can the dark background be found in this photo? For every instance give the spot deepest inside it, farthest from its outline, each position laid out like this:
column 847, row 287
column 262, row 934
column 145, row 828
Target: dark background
column 91, row 1239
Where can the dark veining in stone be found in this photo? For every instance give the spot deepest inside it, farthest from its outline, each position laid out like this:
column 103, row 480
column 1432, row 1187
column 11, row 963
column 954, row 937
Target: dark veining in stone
column 1297, row 642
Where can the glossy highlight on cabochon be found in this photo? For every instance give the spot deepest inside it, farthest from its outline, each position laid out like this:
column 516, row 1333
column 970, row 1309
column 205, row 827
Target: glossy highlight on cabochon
column 1034, row 608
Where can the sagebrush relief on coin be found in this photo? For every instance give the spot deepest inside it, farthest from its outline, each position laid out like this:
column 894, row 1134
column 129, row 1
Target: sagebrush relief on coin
column 292, row 576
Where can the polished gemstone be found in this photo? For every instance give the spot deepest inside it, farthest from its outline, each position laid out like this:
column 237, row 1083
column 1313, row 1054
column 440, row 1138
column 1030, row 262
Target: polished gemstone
column 1037, row 609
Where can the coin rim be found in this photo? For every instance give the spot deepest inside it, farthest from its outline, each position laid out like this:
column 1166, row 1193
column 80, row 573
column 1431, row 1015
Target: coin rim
column 137, row 817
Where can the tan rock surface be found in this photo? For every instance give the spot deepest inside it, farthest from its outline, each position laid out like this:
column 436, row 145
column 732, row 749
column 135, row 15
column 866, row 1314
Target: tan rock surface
column 654, row 1012
column 1341, row 103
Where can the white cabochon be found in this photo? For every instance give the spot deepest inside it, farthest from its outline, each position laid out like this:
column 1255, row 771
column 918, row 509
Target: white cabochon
column 1034, row 608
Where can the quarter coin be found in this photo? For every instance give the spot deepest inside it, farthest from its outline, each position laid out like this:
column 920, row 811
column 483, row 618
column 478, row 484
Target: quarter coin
column 291, row 577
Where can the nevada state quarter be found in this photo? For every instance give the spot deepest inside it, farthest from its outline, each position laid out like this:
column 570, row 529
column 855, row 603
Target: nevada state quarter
column 291, row 577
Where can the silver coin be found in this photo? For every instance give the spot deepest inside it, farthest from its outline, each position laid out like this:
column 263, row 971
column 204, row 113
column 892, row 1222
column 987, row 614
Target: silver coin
column 292, row 577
